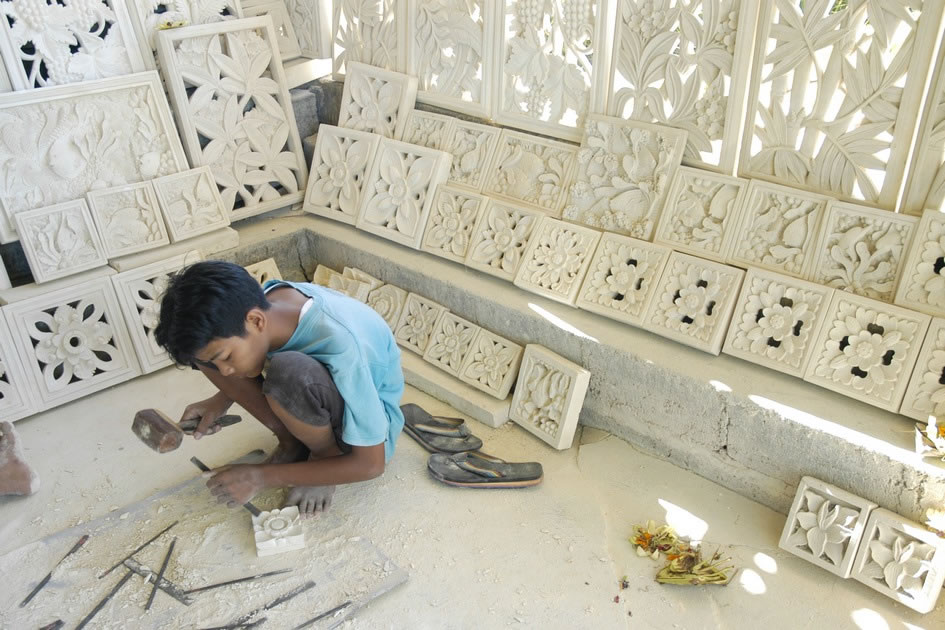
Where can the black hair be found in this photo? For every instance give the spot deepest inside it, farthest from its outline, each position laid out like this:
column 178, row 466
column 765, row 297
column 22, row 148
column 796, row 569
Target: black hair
column 205, row 301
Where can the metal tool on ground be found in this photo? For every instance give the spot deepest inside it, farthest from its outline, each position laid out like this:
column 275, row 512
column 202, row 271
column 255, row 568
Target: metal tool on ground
column 327, row 613
column 150, row 540
column 105, row 600
column 163, row 435
column 248, row 578
column 56, row 625
column 46, row 579
column 164, row 584
column 243, row 620
column 160, row 573
column 249, row 506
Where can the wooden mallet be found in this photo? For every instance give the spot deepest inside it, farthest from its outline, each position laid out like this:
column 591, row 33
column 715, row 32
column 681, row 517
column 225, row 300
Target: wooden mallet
column 163, row 435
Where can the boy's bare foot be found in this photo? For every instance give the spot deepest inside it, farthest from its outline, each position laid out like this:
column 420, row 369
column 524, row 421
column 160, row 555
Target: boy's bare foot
column 288, row 453
column 16, row 477
column 310, row 499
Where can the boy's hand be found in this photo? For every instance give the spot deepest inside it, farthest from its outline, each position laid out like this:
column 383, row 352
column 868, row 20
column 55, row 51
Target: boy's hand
column 207, row 412
column 235, row 485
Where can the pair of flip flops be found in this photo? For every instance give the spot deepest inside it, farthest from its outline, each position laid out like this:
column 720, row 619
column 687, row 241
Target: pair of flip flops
column 456, row 459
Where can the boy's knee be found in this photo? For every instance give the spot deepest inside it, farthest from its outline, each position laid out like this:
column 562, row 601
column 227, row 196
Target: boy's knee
column 303, row 386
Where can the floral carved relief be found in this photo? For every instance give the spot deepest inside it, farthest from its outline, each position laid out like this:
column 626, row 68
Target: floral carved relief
column 191, row 203
column 427, row 129
column 388, row 301
column 376, row 100
column 556, row 259
column 923, row 277
column 925, row 396
column 16, row 400
column 286, row 40
column 529, row 170
column 60, row 42
column 472, row 146
column 450, row 343
column 365, row 32
column 339, row 167
column 60, row 240
column 128, row 219
column 452, row 219
column 500, row 238
column 624, row 170
column 417, row 320
column 491, row 364
column 312, row 21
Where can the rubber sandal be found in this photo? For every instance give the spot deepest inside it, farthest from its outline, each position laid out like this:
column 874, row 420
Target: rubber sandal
column 438, row 434
column 478, row 470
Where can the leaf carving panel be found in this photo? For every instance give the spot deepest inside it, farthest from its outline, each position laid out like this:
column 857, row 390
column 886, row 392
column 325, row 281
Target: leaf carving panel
column 472, row 146
column 376, row 100
column 836, row 97
column 339, row 167
column 623, row 173
column 151, row 16
column 312, row 21
column 532, row 171
column 57, row 42
column 365, row 32
column 60, row 240
column 427, row 129
column 191, row 203
column 128, row 219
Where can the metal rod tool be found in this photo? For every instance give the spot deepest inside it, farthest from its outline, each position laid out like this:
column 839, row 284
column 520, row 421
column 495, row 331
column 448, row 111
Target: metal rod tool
column 160, row 574
column 164, row 584
column 151, row 540
column 46, row 579
column 243, row 620
column 249, row 506
column 101, row 604
column 327, row 613
column 236, row 581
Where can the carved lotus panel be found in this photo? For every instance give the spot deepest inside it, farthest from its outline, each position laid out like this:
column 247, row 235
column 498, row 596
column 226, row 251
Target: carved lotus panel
column 472, row 146
column 532, row 171
column 624, row 171
column 427, row 129
column 923, row 277
column 557, row 259
column 339, row 167
column 365, row 32
column 491, row 364
column 128, row 218
column 417, row 321
column 191, row 203
column 453, row 217
column 376, row 100
column 60, row 240
column 499, row 239
column 450, row 343
column 388, row 301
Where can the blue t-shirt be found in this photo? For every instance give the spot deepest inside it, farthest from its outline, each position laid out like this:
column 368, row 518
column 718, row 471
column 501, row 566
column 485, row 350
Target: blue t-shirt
column 358, row 349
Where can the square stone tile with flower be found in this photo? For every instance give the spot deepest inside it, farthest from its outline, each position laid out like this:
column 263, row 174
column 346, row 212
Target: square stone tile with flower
column 491, row 364
column 453, row 217
column 417, row 320
column 922, row 286
column 556, row 260
column 500, row 238
column 340, row 163
column 450, row 343
column 376, row 100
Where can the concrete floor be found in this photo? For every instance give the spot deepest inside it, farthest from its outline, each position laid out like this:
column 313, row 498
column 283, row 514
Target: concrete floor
column 546, row 557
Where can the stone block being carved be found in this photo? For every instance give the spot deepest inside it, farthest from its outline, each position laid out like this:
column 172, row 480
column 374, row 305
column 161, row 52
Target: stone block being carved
column 777, row 229
column 191, row 203
column 473, row 147
column 902, row 560
column 925, row 395
column 450, row 343
column 397, row 202
column 549, row 395
column 427, row 129
column 59, row 43
column 278, row 531
column 777, row 320
column 286, row 39
column 453, row 216
column 340, row 163
column 126, row 118
column 623, row 173
column 622, row 278
column 128, row 218
column 825, row 526
column 416, row 323
column 264, row 271
column 530, row 170
column 60, row 240
column 140, row 292
column 229, row 91
column 72, row 341
column 491, row 364
column 17, row 397
column 151, row 17
column 556, row 259
column 388, row 301
column 500, row 238
column 694, row 302
column 862, row 250
column 701, row 212
column 376, row 100
column 922, row 286
column 867, row 350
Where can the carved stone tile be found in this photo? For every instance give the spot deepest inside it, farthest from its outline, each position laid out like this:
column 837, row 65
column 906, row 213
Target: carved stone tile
column 72, row 341
column 264, row 271
column 500, row 237
column 191, row 203
column 350, row 287
column 367, row 33
column 701, row 212
column 453, row 217
column 622, row 278
column 491, row 364
column 556, row 259
column 777, row 229
column 278, row 531
column 450, row 343
column 323, row 275
column 417, row 322
column 527, row 169
column 376, row 100
column 397, row 202
column 922, row 286
column 57, row 43
column 862, row 250
column 777, row 320
column 286, row 39
column 427, row 129
column 694, row 302
column 150, row 17
column 866, row 350
column 312, row 21
column 472, row 146
column 128, row 218
column 388, row 301
column 361, row 276
column 140, row 292
column 549, row 396
column 60, row 240
column 902, row 560
column 825, row 526
column 230, row 95
column 925, row 395
column 17, row 399
column 340, row 163
column 124, row 122
column 624, row 171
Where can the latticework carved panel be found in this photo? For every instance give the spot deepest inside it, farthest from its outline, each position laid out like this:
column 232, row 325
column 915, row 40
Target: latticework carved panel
column 312, row 21
column 366, row 32
column 376, row 100
column 152, row 16
column 17, row 398
column 453, row 217
column 60, row 240
column 527, row 169
column 191, row 203
column 128, row 218
column 340, row 163
column 556, row 259
column 286, row 39
column 500, row 237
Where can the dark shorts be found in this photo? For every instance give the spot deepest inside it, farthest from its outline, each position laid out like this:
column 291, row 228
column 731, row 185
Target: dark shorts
column 305, row 388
